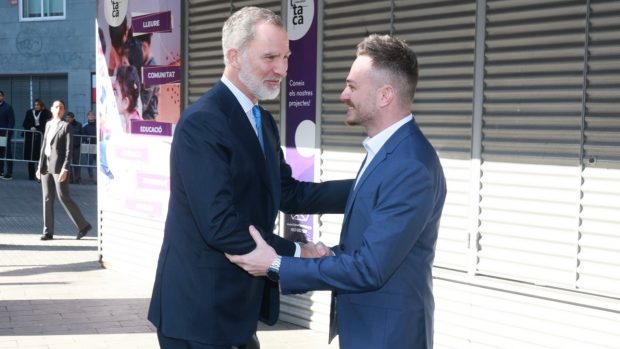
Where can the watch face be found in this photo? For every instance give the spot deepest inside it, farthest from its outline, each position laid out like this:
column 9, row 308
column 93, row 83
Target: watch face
column 273, row 275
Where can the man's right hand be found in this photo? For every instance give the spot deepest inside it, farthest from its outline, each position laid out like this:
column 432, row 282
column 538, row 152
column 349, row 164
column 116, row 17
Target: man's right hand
column 312, row 250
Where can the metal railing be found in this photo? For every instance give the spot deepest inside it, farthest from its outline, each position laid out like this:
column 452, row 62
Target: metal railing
column 20, row 145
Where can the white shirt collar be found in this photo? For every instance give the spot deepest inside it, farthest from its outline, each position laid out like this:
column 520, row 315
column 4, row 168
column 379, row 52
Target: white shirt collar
column 245, row 102
column 374, row 144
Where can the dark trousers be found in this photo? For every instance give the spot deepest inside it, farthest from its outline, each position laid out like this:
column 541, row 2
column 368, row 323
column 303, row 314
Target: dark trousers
column 76, row 171
column 175, row 343
column 52, row 186
column 32, row 150
column 6, row 152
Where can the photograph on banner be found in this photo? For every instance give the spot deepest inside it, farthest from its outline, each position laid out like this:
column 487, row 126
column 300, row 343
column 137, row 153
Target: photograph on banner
column 138, row 102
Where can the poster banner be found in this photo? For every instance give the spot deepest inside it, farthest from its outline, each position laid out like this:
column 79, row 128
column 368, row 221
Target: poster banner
column 301, row 86
column 138, row 103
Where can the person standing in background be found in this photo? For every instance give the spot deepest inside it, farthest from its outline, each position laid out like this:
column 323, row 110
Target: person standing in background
column 90, row 130
column 34, row 121
column 76, row 130
column 53, row 171
column 7, row 120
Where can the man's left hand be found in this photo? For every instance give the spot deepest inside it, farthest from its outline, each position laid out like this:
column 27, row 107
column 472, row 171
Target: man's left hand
column 64, row 174
column 258, row 261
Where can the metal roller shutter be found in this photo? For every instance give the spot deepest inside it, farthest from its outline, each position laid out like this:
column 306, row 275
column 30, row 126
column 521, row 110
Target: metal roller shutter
column 204, row 45
column 442, row 33
column 531, row 140
column 599, row 231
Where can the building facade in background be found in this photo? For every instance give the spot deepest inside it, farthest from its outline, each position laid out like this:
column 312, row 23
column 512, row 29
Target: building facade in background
column 47, row 51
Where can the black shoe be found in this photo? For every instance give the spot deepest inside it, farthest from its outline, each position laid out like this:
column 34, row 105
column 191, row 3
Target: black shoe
column 84, row 231
column 7, row 177
column 47, row 237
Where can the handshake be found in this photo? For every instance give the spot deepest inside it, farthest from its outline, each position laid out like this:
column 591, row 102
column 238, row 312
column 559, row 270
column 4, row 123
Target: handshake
column 258, row 261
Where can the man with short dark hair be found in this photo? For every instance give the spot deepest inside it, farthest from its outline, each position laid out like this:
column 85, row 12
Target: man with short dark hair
column 7, row 121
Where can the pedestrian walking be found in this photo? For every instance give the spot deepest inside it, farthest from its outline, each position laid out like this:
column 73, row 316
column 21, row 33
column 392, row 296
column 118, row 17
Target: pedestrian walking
column 53, row 171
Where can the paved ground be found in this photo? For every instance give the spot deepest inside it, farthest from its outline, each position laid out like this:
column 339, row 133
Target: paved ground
column 55, row 295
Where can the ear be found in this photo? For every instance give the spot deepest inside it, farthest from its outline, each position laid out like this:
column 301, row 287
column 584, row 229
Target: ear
column 386, row 95
column 125, row 103
column 234, row 58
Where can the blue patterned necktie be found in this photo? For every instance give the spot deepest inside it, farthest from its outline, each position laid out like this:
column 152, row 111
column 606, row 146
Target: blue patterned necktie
column 259, row 126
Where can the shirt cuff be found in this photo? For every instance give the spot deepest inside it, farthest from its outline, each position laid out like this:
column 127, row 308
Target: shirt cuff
column 297, row 250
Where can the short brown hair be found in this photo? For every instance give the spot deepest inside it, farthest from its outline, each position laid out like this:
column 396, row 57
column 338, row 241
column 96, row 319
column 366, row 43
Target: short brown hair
column 396, row 58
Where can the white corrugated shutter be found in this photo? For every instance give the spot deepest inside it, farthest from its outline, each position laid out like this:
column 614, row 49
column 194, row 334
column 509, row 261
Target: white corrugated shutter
column 599, row 230
column 205, row 63
column 531, row 140
column 442, row 33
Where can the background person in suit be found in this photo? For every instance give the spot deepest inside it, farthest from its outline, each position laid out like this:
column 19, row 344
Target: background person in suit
column 35, row 120
column 7, row 120
column 381, row 273
column 90, row 130
column 76, row 131
column 227, row 172
column 53, row 171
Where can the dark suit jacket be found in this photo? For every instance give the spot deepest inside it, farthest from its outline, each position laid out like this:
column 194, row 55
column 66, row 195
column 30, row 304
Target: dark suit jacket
column 220, row 183
column 32, row 140
column 43, row 119
column 382, row 270
column 61, row 148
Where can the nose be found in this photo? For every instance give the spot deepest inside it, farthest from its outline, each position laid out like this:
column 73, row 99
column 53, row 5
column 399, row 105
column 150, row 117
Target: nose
column 281, row 67
column 344, row 96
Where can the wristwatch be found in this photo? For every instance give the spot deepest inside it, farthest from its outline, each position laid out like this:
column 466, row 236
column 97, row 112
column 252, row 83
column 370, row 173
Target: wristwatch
column 273, row 272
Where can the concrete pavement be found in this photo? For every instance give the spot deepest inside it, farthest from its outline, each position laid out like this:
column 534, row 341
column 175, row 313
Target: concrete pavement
column 55, row 295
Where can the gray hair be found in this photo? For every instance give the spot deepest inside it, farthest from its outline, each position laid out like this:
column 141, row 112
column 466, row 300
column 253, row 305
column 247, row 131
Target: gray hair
column 240, row 28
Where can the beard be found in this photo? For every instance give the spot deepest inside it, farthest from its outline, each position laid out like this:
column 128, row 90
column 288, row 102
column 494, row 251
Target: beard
column 255, row 84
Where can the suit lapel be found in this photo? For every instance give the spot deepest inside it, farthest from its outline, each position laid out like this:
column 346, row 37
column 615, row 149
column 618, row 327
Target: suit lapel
column 383, row 154
column 271, row 161
column 54, row 131
column 245, row 133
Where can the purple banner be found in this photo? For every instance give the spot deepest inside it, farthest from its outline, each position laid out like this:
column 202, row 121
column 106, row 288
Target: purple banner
column 151, row 128
column 160, row 22
column 301, row 106
column 161, row 74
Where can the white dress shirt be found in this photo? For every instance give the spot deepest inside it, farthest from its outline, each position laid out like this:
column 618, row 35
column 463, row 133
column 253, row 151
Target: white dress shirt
column 246, row 103
column 48, row 140
column 374, row 144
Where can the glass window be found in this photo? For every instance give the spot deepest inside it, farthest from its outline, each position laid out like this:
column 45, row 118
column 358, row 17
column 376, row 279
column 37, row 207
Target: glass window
column 36, row 10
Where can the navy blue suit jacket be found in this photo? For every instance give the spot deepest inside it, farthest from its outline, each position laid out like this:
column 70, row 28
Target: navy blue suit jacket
column 382, row 269
column 220, row 184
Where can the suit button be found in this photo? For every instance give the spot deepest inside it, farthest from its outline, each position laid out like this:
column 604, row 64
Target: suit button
column 341, row 247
